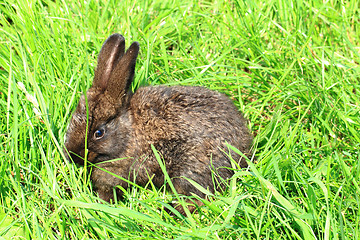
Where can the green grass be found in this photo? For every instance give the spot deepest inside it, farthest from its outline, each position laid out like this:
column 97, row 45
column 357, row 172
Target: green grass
column 292, row 67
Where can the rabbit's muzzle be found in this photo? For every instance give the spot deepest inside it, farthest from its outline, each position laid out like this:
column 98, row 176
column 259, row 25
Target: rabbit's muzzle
column 77, row 157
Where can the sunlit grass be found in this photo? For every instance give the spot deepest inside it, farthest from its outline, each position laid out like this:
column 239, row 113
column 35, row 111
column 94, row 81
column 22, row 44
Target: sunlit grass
column 291, row 67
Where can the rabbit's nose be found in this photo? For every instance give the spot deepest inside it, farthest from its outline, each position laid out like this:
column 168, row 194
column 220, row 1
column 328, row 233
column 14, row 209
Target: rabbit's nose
column 66, row 153
column 74, row 157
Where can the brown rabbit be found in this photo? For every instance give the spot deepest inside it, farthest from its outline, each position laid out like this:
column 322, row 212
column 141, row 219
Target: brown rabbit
column 189, row 127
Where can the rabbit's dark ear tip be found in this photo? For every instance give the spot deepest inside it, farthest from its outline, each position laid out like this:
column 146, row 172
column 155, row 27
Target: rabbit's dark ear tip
column 137, row 44
column 134, row 46
column 115, row 37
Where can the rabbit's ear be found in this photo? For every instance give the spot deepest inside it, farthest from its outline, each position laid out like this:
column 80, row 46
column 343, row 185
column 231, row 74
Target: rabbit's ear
column 123, row 73
column 111, row 52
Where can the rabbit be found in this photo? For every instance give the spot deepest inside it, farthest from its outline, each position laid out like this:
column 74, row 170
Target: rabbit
column 189, row 126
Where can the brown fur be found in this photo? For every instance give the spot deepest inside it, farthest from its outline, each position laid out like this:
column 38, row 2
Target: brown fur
column 189, row 127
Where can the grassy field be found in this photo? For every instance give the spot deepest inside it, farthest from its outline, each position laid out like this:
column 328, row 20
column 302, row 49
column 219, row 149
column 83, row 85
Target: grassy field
column 292, row 67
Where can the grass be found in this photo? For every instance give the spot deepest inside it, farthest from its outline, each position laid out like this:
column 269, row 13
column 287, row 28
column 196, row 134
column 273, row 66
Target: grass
column 292, row 67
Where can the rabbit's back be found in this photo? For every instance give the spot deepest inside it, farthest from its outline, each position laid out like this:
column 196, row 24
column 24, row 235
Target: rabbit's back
column 190, row 127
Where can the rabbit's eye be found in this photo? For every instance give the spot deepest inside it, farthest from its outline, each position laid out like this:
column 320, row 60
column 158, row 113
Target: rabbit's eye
column 99, row 133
